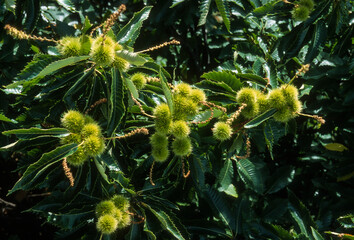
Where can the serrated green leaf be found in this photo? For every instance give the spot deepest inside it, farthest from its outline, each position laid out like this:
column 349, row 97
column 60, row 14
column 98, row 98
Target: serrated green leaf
column 266, row 8
column 130, row 32
column 271, row 72
column 347, row 221
column 223, row 8
column 250, row 175
column 101, row 170
column 316, row 235
column 220, row 206
column 252, row 77
column 26, row 143
column 176, row 2
column 54, row 66
column 281, row 178
column 72, row 219
column 166, row 91
column 226, row 174
column 131, row 57
column 300, row 214
column 204, row 10
column 33, row 68
column 6, row 119
column 318, row 39
column 216, row 86
column 131, row 87
column 281, row 233
column 225, row 76
column 35, row 132
column 79, row 84
column 10, row 5
column 261, row 118
column 37, row 168
column 167, row 223
column 117, row 108
column 225, row 179
column 86, row 26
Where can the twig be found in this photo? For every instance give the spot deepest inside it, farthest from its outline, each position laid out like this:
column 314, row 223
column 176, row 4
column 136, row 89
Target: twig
column 40, row 194
column 318, row 118
column 7, row 203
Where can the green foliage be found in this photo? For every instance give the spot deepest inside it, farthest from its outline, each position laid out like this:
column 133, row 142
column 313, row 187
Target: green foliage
column 224, row 170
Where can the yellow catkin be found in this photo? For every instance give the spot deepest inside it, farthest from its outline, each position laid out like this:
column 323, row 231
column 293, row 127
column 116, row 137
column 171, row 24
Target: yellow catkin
column 215, row 106
column 160, row 46
column 185, row 175
column 144, row 131
column 110, row 21
column 150, row 174
column 248, row 150
column 98, row 102
column 211, row 114
column 153, row 79
column 142, row 219
column 236, row 114
column 141, row 107
column 67, row 172
column 22, row 35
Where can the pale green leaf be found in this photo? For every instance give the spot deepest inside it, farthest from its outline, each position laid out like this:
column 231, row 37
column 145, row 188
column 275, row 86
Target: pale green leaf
column 131, row 57
column 204, row 10
column 54, row 66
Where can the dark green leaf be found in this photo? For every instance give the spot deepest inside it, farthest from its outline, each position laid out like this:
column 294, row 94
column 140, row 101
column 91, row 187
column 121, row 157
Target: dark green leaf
column 252, row 77
column 266, row 8
column 37, row 168
column 316, row 235
column 301, row 215
column 35, row 132
column 223, row 8
column 250, row 175
column 226, row 77
column 117, row 108
column 130, row 32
